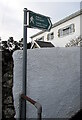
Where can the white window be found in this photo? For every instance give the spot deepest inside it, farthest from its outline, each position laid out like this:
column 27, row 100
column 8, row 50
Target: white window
column 50, row 36
column 66, row 30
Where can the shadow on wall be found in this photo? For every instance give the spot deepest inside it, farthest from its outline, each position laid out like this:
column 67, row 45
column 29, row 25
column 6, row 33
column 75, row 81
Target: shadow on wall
column 77, row 116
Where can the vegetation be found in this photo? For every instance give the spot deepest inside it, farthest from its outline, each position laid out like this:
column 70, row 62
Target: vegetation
column 12, row 45
column 75, row 42
column 7, row 48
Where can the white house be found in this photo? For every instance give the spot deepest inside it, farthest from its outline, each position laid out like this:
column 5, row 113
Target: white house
column 61, row 32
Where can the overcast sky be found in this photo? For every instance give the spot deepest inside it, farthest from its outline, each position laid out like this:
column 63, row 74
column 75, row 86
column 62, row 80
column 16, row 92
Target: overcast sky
column 11, row 14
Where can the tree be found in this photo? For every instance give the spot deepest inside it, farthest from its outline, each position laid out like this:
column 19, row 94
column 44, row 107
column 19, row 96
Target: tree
column 12, row 45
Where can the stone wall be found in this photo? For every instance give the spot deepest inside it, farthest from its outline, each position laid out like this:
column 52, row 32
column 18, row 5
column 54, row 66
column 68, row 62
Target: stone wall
column 8, row 110
column 0, row 85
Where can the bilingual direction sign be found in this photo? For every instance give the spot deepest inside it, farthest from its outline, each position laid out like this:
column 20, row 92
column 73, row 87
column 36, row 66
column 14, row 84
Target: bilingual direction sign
column 39, row 21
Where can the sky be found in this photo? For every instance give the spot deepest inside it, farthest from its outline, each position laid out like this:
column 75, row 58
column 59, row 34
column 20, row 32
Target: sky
column 11, row 15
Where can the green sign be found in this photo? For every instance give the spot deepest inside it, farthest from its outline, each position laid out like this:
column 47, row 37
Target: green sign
column 39, row 21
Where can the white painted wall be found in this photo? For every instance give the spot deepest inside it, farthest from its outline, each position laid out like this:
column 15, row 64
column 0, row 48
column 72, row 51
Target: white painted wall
column 53, row 80
column 61, row 41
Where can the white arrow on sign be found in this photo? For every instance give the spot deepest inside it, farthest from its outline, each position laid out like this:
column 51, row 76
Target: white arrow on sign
column 50, row 24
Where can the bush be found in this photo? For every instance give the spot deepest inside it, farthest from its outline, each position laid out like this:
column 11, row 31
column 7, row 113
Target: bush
column 75, row 42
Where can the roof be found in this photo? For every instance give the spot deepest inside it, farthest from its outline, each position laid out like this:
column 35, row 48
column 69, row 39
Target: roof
column 61, row 21
column 44, row 44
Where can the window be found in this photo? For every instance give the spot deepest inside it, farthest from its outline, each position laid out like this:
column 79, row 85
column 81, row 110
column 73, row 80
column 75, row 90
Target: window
column 66, row 31
column 50, row 36
column 40, row 39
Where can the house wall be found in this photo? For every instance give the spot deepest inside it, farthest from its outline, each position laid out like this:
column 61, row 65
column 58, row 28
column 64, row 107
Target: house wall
column 61, row 41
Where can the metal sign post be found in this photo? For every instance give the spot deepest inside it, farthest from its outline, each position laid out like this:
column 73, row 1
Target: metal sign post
column 35, row 21
column 23, row 111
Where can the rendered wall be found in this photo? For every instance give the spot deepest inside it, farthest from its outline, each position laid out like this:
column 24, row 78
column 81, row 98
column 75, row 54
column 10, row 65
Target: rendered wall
column 53, row 80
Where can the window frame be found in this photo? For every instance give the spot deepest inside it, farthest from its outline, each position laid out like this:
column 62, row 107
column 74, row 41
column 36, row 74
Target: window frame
column 50, row 36
column 66, row 30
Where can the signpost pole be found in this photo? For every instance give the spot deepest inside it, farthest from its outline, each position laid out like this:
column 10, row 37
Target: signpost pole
column 36, row 21
column 23, row 115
